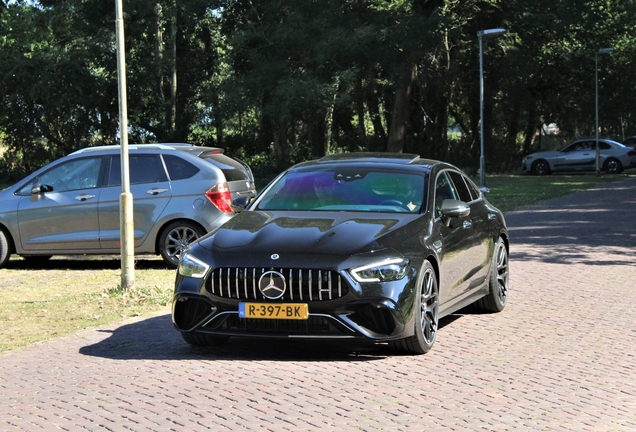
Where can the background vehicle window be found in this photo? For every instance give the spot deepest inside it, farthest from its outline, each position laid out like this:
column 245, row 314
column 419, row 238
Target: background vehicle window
column 143, row 169
column 72, row 175
column 232, row 169
column 178, row 168
column 443, row 190
column 460, row 185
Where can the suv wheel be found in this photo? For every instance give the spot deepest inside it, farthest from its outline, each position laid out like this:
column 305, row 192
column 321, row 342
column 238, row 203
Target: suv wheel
column 175, row 238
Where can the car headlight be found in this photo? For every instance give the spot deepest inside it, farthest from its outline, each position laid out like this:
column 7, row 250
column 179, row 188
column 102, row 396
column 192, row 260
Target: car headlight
column 381, row 271
column 191, row 266
column 527, row 158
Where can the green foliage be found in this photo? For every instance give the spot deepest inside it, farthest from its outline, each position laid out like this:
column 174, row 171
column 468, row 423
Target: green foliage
column 278, row 82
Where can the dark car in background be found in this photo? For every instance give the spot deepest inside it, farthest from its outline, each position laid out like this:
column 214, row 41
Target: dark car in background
column 631, row 142
column 370, row 246
column 580, row 155
column 71, row 206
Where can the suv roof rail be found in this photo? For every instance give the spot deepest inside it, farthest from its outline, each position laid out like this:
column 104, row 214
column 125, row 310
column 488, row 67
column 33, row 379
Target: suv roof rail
column 159, row 146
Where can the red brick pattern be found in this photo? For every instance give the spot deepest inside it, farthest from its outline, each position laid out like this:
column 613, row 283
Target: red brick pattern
column 560, row 357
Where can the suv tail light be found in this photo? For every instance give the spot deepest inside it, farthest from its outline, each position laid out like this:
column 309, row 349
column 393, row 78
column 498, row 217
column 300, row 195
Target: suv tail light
column 219, row 195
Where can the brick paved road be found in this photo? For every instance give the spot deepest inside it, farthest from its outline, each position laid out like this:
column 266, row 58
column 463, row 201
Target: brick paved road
column 561, row 357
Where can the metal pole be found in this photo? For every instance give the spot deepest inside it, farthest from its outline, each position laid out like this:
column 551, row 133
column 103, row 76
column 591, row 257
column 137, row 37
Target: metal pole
column 598, row 151
column 483, row 34
column 482, row 158
column 126, row 224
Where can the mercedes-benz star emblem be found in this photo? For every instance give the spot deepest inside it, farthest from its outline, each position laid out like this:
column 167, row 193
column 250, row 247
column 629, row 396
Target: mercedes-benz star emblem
column 272, row 285
column 275, row 256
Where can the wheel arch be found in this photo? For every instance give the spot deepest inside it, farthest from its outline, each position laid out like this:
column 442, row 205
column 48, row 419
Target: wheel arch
column 433, row 260
column 170, row 222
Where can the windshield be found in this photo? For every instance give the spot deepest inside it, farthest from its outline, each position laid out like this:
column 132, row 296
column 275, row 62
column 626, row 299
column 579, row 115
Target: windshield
column 346, row 190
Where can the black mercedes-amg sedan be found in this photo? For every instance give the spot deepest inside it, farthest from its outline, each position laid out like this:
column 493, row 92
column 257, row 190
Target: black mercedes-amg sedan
column 374, row 246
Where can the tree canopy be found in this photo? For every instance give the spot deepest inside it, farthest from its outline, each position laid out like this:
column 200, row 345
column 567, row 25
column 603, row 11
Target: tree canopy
column 280, row 81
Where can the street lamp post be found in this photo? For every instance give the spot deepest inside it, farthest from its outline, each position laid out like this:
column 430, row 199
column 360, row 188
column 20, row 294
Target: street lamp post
column 598, row 150
column 483, row 34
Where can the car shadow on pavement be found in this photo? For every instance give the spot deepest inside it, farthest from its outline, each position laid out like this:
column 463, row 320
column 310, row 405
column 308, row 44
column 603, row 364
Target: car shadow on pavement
column 156, row 339
column 83, row 262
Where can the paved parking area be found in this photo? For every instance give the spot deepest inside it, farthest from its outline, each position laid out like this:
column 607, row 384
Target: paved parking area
column 561, row 357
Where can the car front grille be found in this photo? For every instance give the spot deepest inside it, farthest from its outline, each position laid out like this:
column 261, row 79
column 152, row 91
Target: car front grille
column 301, row 284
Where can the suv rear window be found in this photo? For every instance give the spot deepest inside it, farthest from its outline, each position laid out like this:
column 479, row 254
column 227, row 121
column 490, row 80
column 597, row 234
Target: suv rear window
column 178, row 168
column 232, row 169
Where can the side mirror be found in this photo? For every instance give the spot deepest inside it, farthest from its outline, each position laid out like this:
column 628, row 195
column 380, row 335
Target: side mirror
column 240, row 203
column 454, row 209
column 39, row 188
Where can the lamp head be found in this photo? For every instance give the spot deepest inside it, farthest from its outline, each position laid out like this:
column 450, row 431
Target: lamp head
column 604, row 50
column 491, row 33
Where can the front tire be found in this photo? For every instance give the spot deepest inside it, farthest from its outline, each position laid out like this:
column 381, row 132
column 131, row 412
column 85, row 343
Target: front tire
column 541, row 167
column 175, row 238
column 5, row 250
column 427, row 316
column 495, row 300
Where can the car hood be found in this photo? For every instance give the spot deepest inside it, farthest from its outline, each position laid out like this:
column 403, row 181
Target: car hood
column 337, row 233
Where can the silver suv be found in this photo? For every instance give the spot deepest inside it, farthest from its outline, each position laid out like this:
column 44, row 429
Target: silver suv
column 71, row 206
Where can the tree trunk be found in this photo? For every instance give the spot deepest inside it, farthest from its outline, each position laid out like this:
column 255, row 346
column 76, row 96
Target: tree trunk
column 159, row 51
column 362, row 133
column 530, row 128
column 400, row 114
column 280, row 142
column 172, row 108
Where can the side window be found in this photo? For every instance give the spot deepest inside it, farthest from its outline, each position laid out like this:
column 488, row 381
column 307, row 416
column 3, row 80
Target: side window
column 460, row 186
column 443, row 190
column 143, row 169
column 178, row 168
column 474, row 192
column 72, row 175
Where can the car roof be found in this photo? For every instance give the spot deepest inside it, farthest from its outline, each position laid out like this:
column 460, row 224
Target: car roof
column 404, row 160
column 189, row 148
column 607, row 140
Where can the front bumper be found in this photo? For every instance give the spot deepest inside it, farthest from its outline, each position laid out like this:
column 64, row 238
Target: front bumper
column 379, row 312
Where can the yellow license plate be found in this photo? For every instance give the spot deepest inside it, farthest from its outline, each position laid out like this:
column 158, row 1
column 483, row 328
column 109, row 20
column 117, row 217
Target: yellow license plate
column 289, row 311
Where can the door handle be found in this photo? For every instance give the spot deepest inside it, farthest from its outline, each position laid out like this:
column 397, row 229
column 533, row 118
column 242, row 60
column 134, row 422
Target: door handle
column 84, row 197
column 156, row 191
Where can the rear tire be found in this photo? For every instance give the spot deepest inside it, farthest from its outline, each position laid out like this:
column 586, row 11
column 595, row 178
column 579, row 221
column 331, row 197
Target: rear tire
column 175, row 238
column 201, row 339
column 426, row 319
column 495, row 300
column 613, row 166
